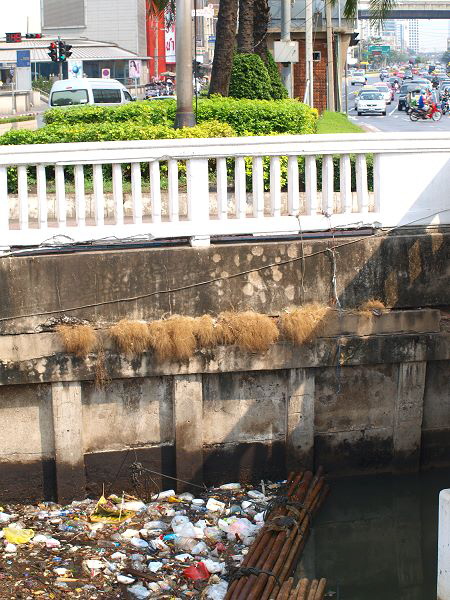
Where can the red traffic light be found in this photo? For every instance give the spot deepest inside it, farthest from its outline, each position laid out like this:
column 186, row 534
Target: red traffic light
column 52, row 46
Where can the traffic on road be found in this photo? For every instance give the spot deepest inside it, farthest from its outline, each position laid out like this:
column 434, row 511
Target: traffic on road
column 399, row 102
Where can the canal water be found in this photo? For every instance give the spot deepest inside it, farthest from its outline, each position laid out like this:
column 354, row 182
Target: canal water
column 376, row 537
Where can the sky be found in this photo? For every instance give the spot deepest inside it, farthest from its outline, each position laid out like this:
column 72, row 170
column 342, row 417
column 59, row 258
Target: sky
column 433, row 35
column 14, row 18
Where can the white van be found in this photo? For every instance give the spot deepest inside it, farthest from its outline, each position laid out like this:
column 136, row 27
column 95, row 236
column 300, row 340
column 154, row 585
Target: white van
column 71, row 92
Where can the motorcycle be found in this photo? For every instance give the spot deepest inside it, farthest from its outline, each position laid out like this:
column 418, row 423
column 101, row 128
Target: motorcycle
column 434, row 113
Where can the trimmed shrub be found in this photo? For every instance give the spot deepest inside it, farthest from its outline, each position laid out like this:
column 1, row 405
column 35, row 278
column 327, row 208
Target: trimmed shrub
column 277, row 89
column 249, row 78
column 98, row 132
column 151, row 113
column 259, row 117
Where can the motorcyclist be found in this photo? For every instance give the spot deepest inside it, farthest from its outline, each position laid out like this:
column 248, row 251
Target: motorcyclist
column 435, row 82
column 422, row 104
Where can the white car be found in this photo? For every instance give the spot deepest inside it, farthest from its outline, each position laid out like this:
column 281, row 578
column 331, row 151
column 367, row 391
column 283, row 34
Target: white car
column 370, row 102
column 358, row 77
column 385, row 90
column 71, row 92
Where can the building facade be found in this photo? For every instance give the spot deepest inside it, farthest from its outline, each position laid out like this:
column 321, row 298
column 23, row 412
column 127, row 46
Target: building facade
column 120, row 22
column 414, row 36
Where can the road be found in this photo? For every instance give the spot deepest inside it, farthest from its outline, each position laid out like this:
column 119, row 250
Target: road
column 394, row 120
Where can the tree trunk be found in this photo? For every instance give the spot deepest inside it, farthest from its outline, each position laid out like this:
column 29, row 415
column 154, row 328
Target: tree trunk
column 245, row 40
column 260, row 27
column 225, row 44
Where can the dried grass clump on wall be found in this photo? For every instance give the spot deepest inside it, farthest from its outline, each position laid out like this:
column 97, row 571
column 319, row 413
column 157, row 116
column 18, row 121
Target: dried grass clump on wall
column 173, row 339
column 181, row 332
column 369, row 306
column 206, row 331
column 305, row 323
column 159, row 340
column 78, row 339
column 131, row 337
column 251, row 331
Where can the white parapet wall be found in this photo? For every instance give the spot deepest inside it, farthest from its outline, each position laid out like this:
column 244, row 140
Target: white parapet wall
column 443, row 582
column 199, row 188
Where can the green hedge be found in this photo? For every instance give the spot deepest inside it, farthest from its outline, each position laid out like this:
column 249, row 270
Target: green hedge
column 249, row 78
column 258, row 117
column 153, row 112
column 99, row 132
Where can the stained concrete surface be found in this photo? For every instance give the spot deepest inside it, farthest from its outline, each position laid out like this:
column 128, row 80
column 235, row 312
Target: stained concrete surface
column 410, row 270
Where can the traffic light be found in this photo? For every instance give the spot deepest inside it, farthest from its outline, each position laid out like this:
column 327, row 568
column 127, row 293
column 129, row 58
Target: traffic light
column 64, row 51
column 53, row 51
column 33, row 36
column 354, row 39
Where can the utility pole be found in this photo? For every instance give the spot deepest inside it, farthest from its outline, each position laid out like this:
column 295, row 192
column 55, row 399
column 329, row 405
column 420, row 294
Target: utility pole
column 183, row 35
column 286, row 72
column 331, row 104
column 309, row 52
column 60, row 67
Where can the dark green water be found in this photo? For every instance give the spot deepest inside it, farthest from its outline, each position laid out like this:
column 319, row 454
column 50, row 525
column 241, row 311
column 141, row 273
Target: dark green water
column 376, row 537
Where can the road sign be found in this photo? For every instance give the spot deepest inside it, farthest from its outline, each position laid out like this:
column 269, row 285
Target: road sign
column 379, row 49
column 23, row 58
column 285, row 52
column 212, row 39
column 106, row 73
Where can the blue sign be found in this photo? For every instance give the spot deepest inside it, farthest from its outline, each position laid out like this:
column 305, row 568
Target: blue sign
column 211, row 39
column 23, row 58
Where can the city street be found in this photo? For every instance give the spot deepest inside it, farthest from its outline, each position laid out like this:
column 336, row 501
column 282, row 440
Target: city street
column 394, row 120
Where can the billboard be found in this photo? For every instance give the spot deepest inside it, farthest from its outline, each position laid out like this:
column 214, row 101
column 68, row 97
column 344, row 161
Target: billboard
column 134, row 68
column 169, row 40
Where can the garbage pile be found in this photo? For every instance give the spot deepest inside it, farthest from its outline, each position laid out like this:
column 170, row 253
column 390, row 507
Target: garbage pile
column 177, row 546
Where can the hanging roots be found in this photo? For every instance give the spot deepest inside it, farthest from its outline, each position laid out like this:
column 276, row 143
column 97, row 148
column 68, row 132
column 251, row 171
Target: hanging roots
column 305, row 323
column 249, row 330
column 78, row 339
column 368, row 308
column 131, row 337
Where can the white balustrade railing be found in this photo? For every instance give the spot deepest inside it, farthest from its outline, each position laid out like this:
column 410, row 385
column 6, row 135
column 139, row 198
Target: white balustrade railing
column 198, row 188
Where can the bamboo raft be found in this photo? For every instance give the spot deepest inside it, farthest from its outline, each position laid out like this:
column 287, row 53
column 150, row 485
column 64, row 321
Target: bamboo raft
column 266, row 571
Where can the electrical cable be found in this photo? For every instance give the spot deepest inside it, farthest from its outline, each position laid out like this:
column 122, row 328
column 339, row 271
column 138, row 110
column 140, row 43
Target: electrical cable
column 214, row 279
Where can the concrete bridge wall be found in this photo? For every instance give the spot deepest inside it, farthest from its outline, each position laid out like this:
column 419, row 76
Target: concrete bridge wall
column 370, row 394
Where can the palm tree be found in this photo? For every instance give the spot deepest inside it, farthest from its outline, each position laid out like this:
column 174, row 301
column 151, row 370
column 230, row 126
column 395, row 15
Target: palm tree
column 254, row 16
column 224, row 48
column 253, row 24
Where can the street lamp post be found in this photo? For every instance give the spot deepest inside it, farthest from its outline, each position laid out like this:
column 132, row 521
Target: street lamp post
column 183, row 35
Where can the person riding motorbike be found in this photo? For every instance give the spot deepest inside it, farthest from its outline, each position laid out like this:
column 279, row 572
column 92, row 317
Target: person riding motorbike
column 435, row 82
column 422, row 104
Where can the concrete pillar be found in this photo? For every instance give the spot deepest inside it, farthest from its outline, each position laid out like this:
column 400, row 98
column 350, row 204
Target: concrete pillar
column 408, row 412
column 69, row 454
column 443, row 578
column 300, row 419
column 188, row 416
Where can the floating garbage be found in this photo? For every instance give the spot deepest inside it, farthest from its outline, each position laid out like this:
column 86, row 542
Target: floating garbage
column 166, row 546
